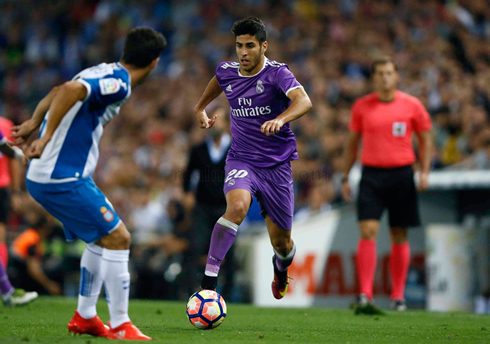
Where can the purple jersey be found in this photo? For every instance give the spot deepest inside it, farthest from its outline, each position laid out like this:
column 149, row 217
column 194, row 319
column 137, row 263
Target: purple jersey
column 254, row 100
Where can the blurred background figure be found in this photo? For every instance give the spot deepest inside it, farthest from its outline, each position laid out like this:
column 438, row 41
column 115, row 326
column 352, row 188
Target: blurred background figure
column 37, row 255
column 161, row 241
column 204, row 197
column 10, row 182
column 320, row 198
column 10, row 169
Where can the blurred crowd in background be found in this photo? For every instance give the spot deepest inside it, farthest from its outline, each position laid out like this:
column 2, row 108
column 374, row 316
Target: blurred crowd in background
column 441, row 48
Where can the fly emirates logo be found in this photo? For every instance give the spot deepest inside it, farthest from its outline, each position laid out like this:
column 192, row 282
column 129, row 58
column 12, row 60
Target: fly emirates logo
column 247, row 110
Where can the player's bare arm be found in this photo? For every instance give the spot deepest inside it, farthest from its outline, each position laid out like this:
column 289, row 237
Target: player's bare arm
column 300, row 104
column 425, row 155
column 22, row 132
column 350, row 156
column 68, row 94
column 212, row 91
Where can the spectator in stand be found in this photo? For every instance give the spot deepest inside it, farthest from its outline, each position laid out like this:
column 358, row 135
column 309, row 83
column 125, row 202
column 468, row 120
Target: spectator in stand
column 29, row 252
column 10, row 295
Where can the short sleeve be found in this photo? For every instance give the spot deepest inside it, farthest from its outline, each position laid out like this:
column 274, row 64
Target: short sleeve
column 421, row 118
column 222, row 69
column 286, row 81
column 355, row 124
column 105, row 91
column 218, row 73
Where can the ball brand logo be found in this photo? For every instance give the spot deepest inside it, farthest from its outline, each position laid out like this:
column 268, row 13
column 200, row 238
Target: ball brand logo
column 260, row 87
column 107, row 214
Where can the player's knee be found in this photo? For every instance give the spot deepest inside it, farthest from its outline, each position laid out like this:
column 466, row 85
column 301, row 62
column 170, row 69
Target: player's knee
column 125, row 239
column 238, row 209
column 120, row 239
column 369, row 233
column 282, row 245
column 398, row 235
column 369, row 229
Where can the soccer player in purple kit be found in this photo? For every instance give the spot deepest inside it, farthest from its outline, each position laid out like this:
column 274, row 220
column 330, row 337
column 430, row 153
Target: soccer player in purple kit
column 264, row 97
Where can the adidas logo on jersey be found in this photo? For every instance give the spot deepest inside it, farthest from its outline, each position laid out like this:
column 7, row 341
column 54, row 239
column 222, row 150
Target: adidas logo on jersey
column 228, row 89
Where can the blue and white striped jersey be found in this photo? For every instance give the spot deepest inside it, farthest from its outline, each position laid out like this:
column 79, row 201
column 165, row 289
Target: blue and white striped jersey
column 73, row 150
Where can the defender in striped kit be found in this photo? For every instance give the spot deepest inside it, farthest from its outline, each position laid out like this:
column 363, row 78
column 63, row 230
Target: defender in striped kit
column 72, row 118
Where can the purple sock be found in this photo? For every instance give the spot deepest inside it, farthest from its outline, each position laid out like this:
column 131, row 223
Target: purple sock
column 223, row 236
column 282, row 263
column 5, row 286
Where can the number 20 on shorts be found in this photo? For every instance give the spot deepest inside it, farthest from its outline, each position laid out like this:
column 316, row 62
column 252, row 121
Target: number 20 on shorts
column 236, row 174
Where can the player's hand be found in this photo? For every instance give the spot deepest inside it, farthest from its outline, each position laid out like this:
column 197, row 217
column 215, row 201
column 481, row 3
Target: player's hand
column 53, row 288
column 272, row 127
column 36, row 148
column 21, row 133
column 346, row 192
column 423, row 182
column 203, row 119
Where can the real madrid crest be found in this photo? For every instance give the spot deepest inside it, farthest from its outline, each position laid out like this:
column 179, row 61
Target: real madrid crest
column 260, row 87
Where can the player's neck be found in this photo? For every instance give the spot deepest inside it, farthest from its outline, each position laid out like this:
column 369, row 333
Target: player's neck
column 254, row 71
column 137, row 74
column 386, row 96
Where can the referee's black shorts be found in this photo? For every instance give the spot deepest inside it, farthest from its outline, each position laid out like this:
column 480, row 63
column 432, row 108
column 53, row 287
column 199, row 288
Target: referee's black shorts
column 392, row 189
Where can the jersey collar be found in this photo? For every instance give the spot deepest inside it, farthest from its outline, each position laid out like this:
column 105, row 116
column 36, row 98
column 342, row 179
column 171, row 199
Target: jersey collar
column 260, row 71
column 119, row 64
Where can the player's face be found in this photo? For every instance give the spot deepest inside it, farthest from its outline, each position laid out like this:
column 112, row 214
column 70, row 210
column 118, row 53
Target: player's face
column 385, row 77
column 249, row 52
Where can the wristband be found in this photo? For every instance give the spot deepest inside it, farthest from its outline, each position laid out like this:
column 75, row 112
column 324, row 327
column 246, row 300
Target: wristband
column 18, row 153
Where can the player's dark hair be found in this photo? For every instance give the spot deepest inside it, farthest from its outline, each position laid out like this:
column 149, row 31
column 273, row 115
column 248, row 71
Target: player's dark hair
column 252, row 26
column 381, row 60
column 143, row 45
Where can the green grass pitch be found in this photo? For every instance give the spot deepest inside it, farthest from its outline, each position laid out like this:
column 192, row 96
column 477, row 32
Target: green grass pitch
column 45, row 320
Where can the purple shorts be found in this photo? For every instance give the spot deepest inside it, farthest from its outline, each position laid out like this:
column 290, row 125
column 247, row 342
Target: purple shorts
column 272, row 186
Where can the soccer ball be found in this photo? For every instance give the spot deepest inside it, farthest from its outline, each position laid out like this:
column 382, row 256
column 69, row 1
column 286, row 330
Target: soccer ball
column 206, row 309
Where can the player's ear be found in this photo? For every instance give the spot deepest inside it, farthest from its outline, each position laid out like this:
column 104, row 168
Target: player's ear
column 154, row 63
column 264, row 46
